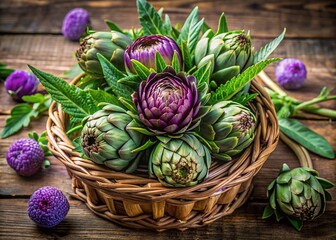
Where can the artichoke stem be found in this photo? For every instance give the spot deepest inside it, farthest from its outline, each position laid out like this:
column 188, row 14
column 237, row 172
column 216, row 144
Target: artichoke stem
column 301, row 153
column 269, row 82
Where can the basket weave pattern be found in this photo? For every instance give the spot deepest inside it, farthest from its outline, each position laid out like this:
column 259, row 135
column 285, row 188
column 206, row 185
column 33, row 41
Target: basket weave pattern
column 137, row 201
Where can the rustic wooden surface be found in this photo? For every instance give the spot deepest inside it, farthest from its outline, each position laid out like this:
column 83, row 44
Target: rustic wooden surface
column 30, row 33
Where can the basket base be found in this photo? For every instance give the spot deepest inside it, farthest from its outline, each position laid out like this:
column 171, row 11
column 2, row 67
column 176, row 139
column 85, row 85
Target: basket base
column 195, row 219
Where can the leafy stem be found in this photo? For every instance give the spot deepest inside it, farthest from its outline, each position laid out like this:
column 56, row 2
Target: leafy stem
column 309, row 103
column 284, row 103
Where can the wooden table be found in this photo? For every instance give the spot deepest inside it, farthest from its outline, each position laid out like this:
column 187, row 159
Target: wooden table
column 31, row 34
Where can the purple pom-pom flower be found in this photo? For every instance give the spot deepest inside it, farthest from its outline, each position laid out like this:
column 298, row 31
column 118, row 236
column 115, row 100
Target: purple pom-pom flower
column 144, row 49
column 47, row 207
column 20, row 83
column 75, row 23
column 291, row 73
column 25, row 156
column 168, row 102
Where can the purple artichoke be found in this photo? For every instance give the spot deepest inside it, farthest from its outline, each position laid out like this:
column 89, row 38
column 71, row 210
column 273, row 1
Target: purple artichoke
column 291, row 73
column 75, row 23
column 25, row 156
column 168, row 102
column 20, row 83
column 144, row 49
column 47, row 207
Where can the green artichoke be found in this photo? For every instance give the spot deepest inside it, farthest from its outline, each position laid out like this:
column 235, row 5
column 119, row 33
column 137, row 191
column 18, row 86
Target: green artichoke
column 180, row 162
column 297, row 194
column 107, row 139
column 228, row 128
column 230, row 54
column 111, row 45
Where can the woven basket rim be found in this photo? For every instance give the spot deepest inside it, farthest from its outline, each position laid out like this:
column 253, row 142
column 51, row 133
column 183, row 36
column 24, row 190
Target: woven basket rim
column 137, row 187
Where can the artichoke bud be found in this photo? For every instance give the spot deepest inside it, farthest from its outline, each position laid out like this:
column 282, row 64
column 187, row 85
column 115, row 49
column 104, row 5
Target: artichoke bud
column 110, row 44
column 168, row 103
column 107, row 139
column 180, row 162
column 144, row 50
column 230, row 127
column 299, row 194
column 231, row 51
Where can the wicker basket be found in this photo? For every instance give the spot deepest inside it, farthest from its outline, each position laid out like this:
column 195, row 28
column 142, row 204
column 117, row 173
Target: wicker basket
column 136, row 201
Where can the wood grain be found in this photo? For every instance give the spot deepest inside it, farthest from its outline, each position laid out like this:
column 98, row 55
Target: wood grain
column 81, row 223
column 303, row 19
column 30, row 33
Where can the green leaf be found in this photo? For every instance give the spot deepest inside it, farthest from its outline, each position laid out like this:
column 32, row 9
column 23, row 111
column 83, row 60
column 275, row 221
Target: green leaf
column 19, row 117
column 160, row 11
column 191, row 20
column 33, row 135
column 160, row 63
column 132, row 81
column 42, row 141
column 268, row 212
column 100, row 96
column 167, row 25
column 126, row 103
column 141, row 70
column 36, row 98
column 176, row 62
column 234, row 85
column 113, row 27
column 73, row 72
column 74, row 101
column 186, row 56
column 112, row 75
column 306, row 137
column 191, row 29
column 78, row 146
column 264, row 52
column 222, row 25
column 297, row 224
column 326, row 184
column 145, row 146
column 4, row 71
column 245, row 98
column 46, row 163
column 150, row 20
column 203, row 73
column 140, row 129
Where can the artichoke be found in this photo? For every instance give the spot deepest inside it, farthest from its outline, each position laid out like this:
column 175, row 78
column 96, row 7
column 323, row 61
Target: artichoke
column 230, row 53
column 168, row 102
column 180, row 162
column 228, row 128
column 297, row 194
column 110, row 44
column 107, row 139
column 144, row 50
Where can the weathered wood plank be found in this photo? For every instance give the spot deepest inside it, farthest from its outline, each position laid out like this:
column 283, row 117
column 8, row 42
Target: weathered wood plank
column 54, row 54
column 13, row 185
column 81, row 223
column 304, row 19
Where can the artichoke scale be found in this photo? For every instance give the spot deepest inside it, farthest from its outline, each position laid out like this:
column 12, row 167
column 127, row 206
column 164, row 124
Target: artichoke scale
column 223, row 75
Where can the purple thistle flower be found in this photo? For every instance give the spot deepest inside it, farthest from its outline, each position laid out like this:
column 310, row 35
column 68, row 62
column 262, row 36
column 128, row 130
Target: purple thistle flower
column 20, row 83
column 25, row 156
column 47, row 207
column 167, row 102
column 144, row 49
column 75, row 23
column 291, row 73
